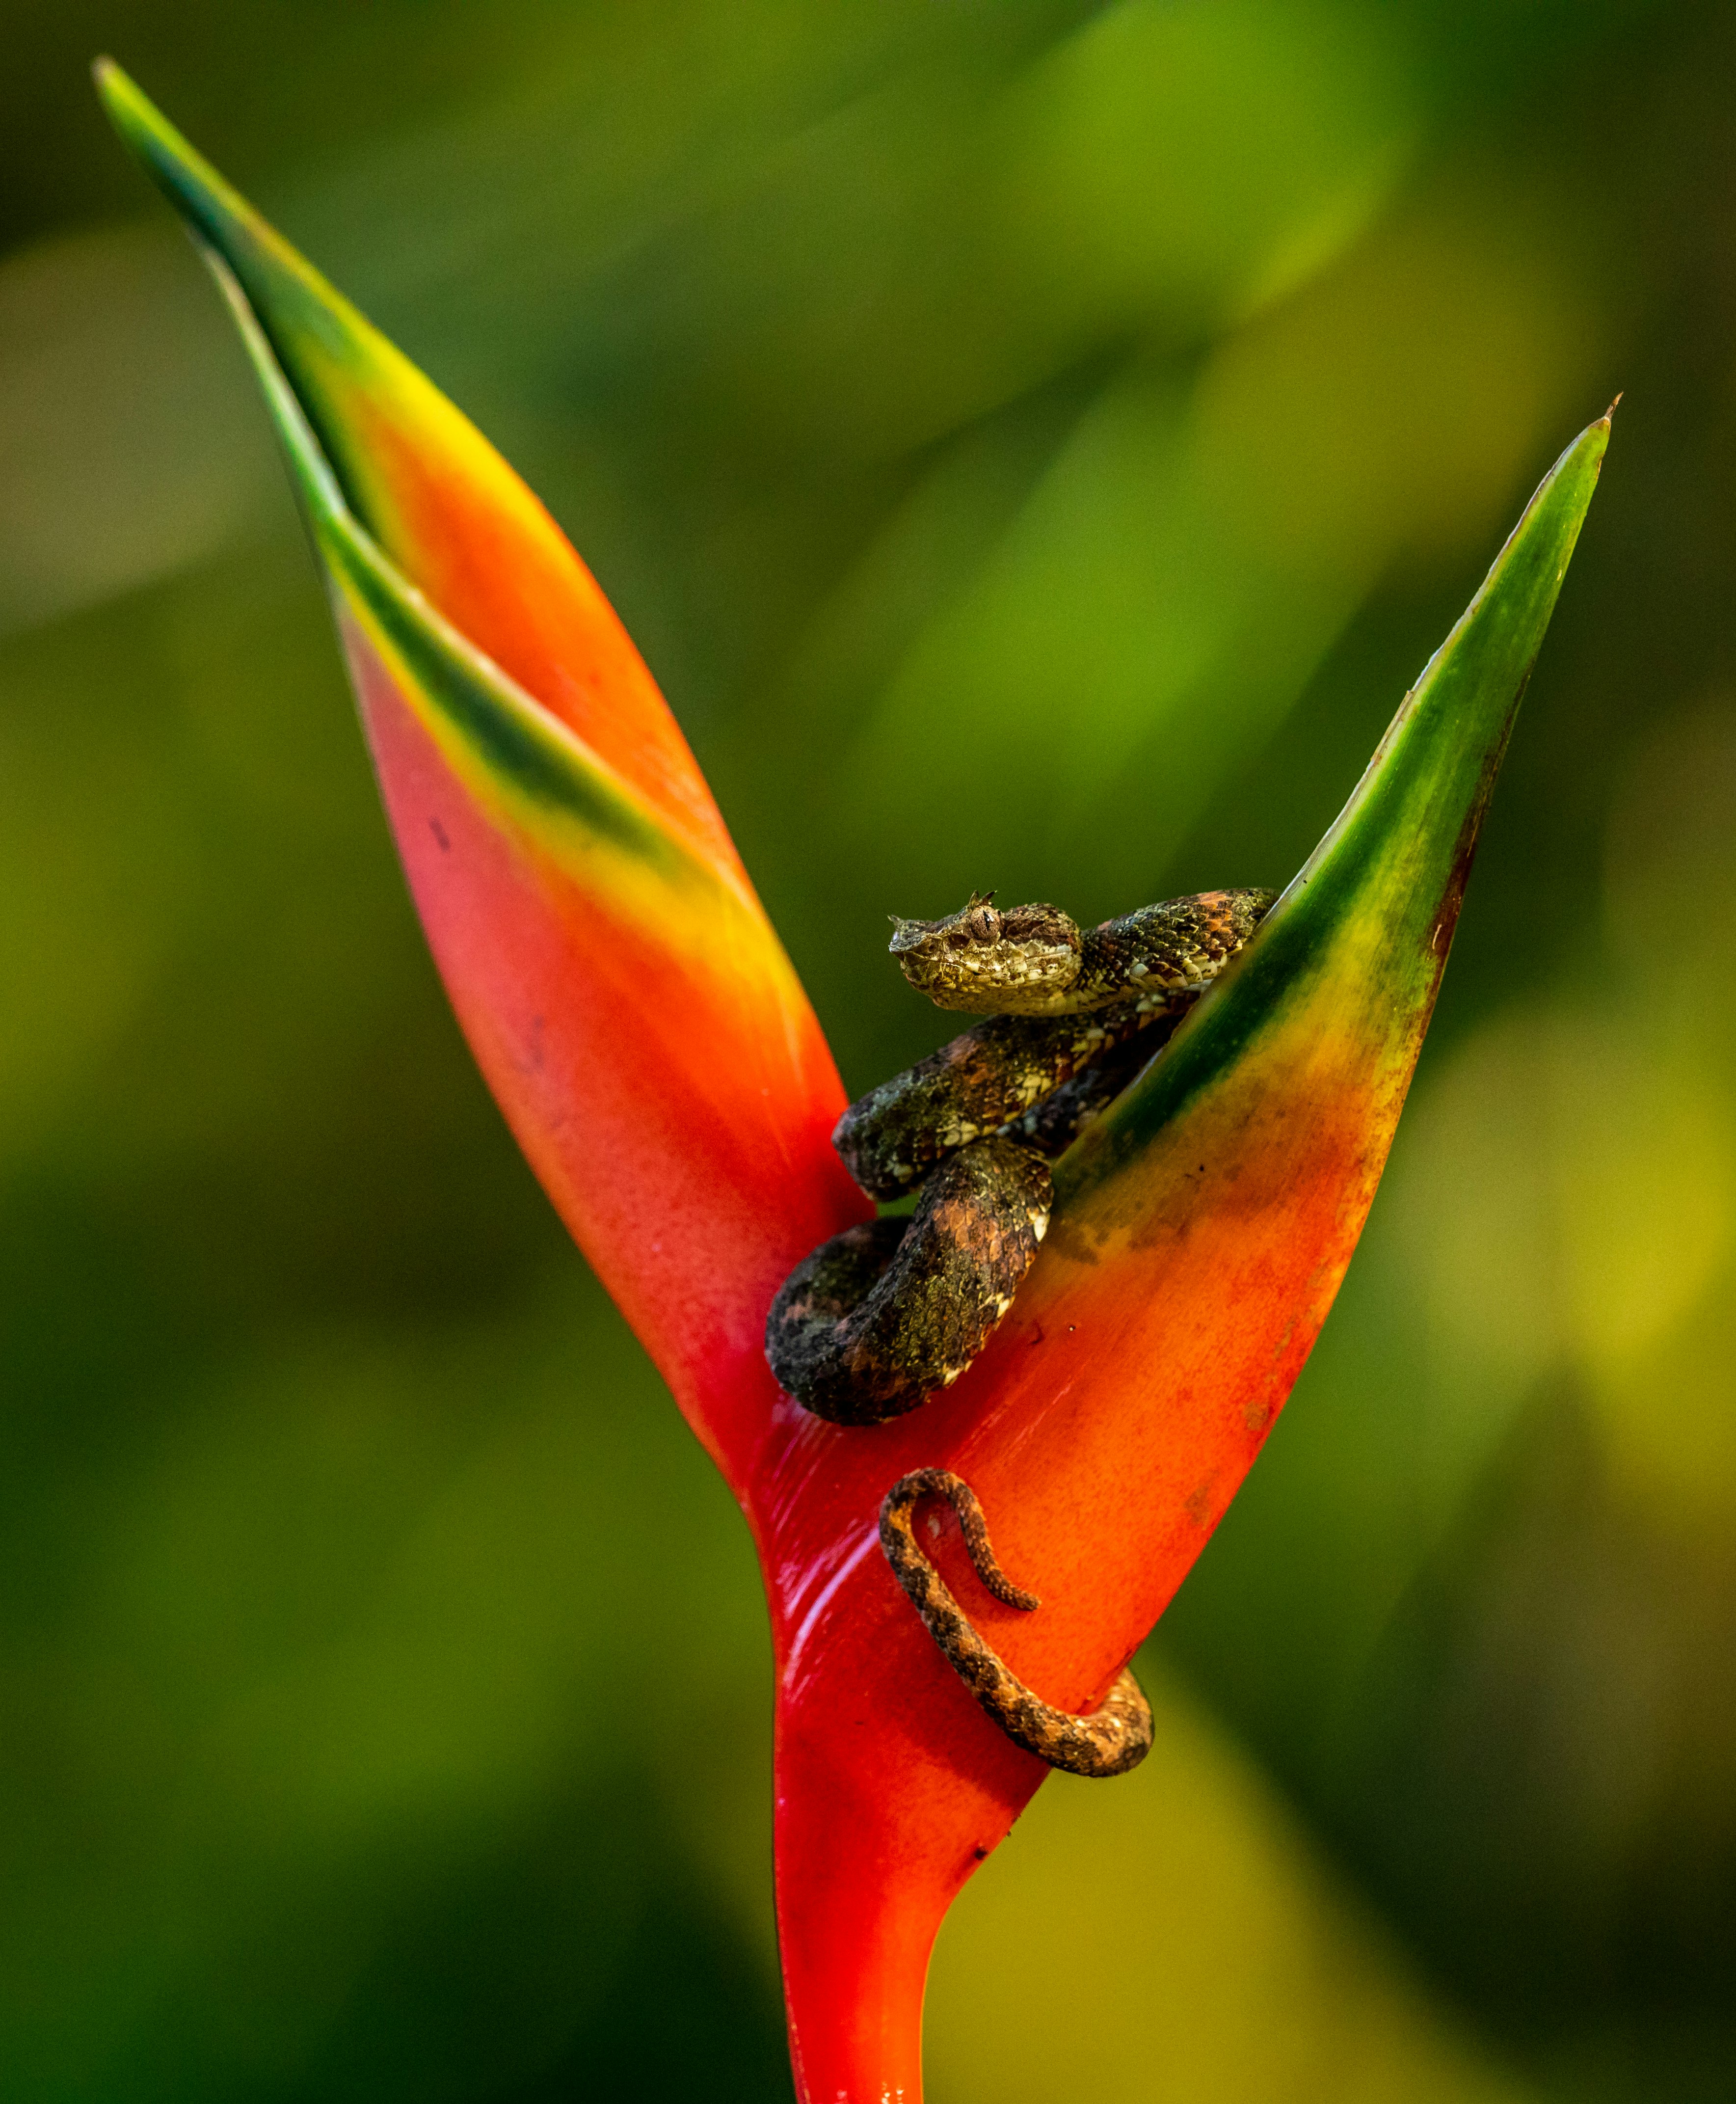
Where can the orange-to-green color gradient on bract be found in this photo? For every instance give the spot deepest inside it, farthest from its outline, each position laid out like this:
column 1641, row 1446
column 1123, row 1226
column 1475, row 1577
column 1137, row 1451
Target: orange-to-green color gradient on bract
column 632, row 1009
column 636, row 1018
column 427, row 487
column 1200, row 1233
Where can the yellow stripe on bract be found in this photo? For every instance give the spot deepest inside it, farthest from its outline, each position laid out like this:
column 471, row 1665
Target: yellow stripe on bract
column 1357, row 938
column 539, row 777
column 342, row 359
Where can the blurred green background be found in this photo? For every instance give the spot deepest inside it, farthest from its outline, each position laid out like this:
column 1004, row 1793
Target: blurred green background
column 1035, row 445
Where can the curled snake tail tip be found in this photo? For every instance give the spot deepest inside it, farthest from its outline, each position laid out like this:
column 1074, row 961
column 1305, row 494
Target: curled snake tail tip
column 1109, row 1741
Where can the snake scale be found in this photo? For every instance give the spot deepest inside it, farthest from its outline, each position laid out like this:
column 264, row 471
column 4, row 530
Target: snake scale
column 886, row 1314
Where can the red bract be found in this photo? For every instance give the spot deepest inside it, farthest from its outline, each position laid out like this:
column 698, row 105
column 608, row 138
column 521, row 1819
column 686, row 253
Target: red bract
column 642, row 1028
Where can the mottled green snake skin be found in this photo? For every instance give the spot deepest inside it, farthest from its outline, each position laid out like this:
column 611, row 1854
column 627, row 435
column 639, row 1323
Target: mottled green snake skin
column 881, row 1316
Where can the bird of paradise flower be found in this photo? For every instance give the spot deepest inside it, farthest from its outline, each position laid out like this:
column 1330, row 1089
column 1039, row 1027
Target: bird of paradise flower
column 648, row 1039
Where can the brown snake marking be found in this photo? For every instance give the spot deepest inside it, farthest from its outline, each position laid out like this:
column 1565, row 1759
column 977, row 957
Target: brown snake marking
column 1112, row 1739
column 878, row 1318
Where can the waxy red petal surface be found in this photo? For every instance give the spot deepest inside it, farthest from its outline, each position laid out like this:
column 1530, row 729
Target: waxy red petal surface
column 640, row 1025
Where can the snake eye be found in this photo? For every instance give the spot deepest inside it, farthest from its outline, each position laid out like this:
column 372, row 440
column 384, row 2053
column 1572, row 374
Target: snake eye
column 984, row 924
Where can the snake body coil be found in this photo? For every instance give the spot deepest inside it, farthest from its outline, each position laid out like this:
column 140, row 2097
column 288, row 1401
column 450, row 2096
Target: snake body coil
column 881, row 1316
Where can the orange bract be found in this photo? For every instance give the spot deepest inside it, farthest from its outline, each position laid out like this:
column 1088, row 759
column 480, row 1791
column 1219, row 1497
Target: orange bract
column 639, row 1024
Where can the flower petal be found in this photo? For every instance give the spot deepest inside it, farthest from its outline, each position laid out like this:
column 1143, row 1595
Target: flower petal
column 425, row 484
column 625, row 996
column 1199, row 1236
column 638, row 1021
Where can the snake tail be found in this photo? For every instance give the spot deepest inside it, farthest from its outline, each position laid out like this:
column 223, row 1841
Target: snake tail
column 1111, row 1739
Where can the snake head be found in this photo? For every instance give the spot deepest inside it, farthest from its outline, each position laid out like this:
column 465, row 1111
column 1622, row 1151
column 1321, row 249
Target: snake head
column 986, row 963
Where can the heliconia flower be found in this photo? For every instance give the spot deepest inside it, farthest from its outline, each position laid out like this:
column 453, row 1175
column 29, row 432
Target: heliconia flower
column 643, row 1030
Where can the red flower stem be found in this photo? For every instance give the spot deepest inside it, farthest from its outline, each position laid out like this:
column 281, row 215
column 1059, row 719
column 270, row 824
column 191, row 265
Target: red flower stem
column 854, row 1972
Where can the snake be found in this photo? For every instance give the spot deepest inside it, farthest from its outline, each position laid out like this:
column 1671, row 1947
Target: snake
column 889, row 1313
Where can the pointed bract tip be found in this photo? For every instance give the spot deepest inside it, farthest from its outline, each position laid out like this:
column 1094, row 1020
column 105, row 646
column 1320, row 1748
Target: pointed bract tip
column 119, row 93
column 140, row 124
column 1615, row 405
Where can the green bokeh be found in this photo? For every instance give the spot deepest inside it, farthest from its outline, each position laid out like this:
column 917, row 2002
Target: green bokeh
column 1035, row 445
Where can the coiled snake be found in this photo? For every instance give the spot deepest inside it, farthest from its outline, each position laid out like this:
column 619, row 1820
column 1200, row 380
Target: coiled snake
column 883, row 1315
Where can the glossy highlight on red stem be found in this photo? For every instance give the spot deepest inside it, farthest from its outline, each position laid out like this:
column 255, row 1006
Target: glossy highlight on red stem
column 645, row 1034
